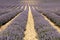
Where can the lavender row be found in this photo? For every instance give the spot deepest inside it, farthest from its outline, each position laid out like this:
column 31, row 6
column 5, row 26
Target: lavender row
column 7, row 17
column 44, row 30
column 15, row 30
column 51, row 15
column 54, row 9
column 57, row 12
column 4, row 11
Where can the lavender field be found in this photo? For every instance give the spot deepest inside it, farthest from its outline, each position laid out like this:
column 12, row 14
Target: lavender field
column 29, row 20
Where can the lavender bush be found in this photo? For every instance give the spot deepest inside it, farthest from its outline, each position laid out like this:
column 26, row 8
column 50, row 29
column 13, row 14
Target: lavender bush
column 53, row 17
column 43, row 28
column 7, row 17
column 50, row 15
column 15, row 30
